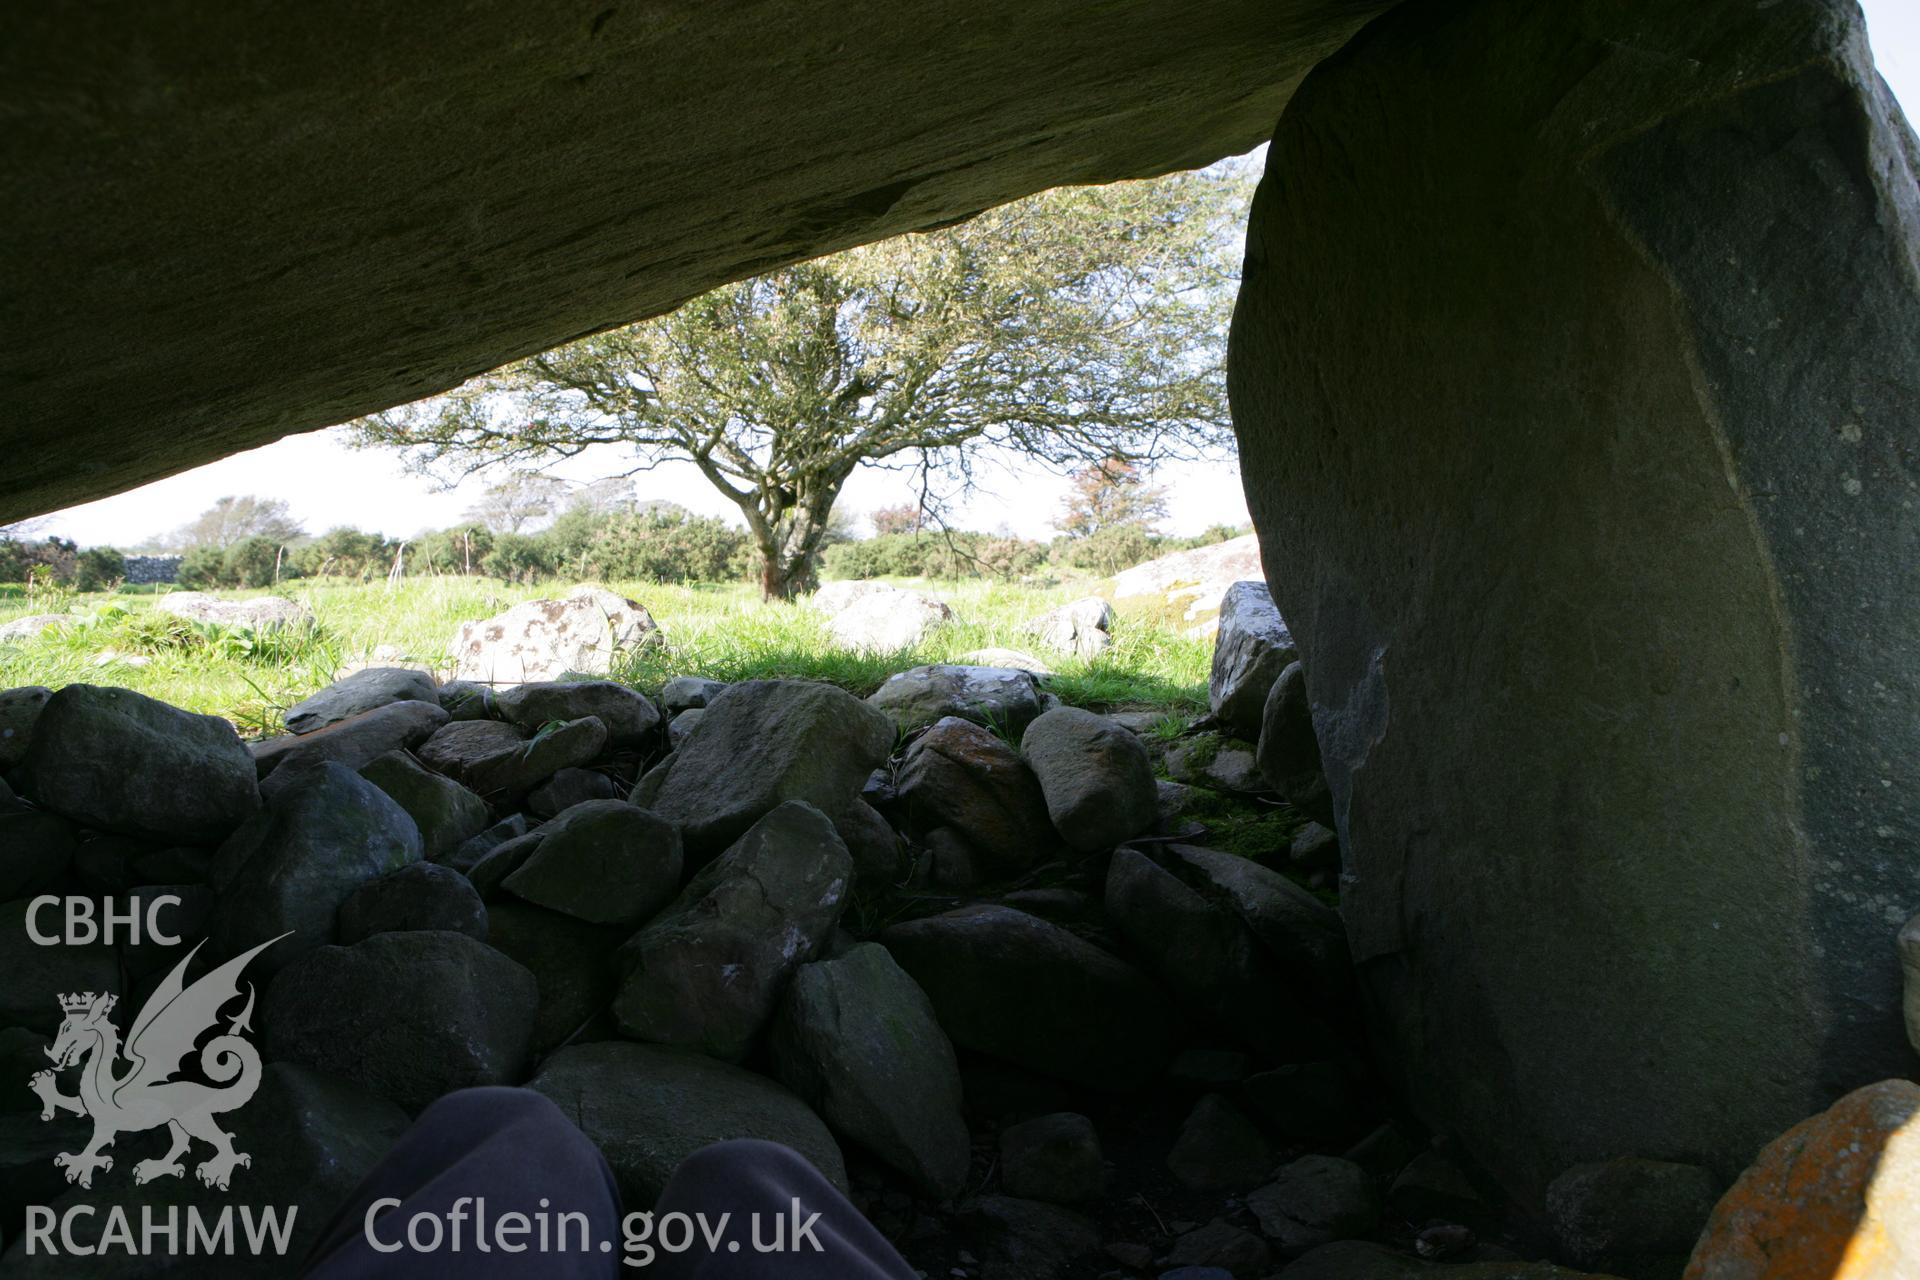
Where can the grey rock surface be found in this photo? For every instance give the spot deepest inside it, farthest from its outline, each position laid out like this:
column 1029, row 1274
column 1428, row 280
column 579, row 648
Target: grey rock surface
column 1675, row 738
column 447, row 814
column 919, row 696
column 354, row 742
column 420, row 895
column 960, row 775
column 492, row 759
column 708, row 971
column 857, row 1040
column 1083, row 628
column 761, row 743
column 1250, row 650
column 408, row 1016
column 542, row 640
column 126, row 378
column 325, row 833
column 362, row 691
column 1315, row 1200
column 120, row 761
column 1056, row 1158
column 571, row 962
column 19, row 710
column 629, row 715
column 604, row 862
column 1017, row 988
column 1097, row 778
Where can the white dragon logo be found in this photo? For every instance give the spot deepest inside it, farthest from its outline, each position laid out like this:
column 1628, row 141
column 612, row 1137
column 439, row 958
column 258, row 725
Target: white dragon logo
column 143, row 1097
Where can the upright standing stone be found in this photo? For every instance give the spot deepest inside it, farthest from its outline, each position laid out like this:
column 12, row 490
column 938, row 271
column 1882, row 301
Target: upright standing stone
column 1573, row 375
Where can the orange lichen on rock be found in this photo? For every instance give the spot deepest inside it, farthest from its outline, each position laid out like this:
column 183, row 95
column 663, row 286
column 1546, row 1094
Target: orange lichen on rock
column 1836, row 1197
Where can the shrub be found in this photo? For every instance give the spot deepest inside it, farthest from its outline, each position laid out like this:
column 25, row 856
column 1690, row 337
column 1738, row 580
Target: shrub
column 518, row 557
column 936, row 555
column 200, row 569
column 98, row 569
column 667, row 546
column 461, row 549
column 50, row 560
column 341, row 552
column 1109, row 551
column 253, row 562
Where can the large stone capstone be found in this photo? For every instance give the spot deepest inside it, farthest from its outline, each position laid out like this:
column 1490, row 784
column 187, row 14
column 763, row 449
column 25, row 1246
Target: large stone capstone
column 1572, row 371
column 223, row 231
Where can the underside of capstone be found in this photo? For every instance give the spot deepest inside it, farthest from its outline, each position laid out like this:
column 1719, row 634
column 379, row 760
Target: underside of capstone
column 1574, row 370
column 225, row 226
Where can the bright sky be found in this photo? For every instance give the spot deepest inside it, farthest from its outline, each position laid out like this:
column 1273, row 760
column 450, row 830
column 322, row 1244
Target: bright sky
column 326, row 483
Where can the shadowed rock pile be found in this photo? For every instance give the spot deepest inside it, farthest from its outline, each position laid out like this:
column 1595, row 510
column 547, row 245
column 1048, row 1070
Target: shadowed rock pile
column 1041, row 1011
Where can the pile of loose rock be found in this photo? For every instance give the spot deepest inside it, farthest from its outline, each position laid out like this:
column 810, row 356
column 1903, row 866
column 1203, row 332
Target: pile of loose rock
column 955, row 942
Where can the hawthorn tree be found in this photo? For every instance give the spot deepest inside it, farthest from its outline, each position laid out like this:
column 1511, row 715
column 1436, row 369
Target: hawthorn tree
column 1075, row 326
column 905, row 518
column 1112, row 493
column 231, row 519
column 604, row 497
column 519, row 499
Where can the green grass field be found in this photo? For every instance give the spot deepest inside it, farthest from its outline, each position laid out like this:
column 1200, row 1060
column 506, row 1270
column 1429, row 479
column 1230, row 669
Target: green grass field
column 722, row 631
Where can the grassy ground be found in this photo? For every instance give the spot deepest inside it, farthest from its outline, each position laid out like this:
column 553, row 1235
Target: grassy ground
column 723, row 631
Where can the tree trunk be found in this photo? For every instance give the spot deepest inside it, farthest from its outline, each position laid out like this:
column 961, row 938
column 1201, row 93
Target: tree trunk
column 789, row 524
column 784, row 576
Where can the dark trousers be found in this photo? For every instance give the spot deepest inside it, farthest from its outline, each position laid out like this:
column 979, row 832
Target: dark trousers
column 476, row 1156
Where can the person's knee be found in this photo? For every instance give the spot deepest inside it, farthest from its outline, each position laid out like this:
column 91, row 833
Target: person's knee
column 490, row 1108
column 742, row 1172
column 719, row 1159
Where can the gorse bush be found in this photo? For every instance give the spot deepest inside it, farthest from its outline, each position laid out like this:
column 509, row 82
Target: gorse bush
column 200, row 568
column 251, row 562
column 519, row 557
column 47, row 560
column 933, row 554
column 1110, row 550
column 257, row 561
column 98, row 568
column 668, row 547
column 341, row 552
